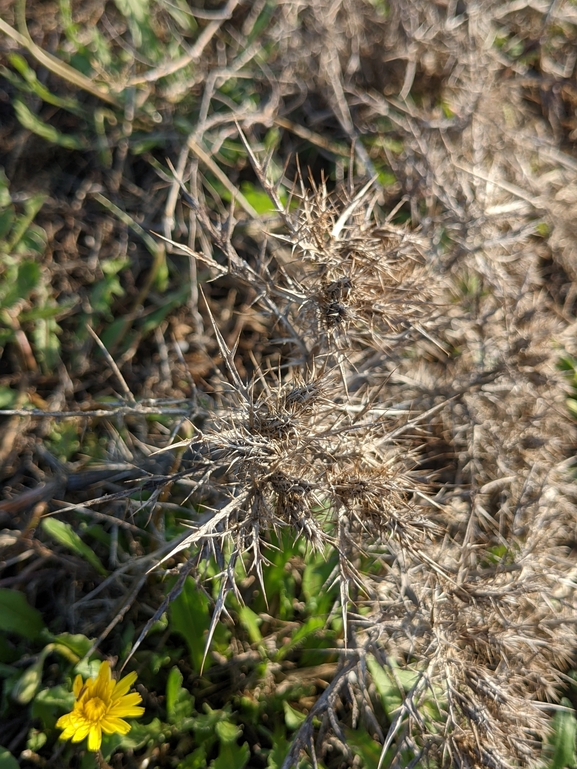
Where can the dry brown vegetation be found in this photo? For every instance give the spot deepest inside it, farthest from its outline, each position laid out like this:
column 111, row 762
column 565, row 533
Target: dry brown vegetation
column 373, row 365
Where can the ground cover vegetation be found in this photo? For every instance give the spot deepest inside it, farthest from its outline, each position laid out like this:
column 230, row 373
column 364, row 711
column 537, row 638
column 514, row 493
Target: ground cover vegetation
column 288, row 375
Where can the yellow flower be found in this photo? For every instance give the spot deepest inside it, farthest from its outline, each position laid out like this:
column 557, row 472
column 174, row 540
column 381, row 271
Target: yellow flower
column 100, row 707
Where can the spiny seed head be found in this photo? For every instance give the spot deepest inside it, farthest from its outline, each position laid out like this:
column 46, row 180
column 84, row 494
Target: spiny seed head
column 302, row 397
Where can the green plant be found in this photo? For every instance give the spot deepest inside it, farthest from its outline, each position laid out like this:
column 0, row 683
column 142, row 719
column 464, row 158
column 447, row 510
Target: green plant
column 25, row 303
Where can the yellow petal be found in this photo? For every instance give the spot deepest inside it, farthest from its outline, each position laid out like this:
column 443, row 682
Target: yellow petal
column 104, row 671
column 134, row 712
column 71, row 720
column 128, row 701
column 68, row 733
column 112, row 725
column 104, row 676
column 81, row 732
column 64, row 722
column 95, row 737
column 123, row 685
column 125, row 710
column 78, row 684
column 104, row 685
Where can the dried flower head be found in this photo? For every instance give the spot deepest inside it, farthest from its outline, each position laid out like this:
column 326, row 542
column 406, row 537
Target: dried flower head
column 360, row 283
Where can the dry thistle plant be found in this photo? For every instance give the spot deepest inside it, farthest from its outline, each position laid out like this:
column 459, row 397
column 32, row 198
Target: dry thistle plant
column 393, row 355
column 487, row 626
column 313, row 446
column 354, row 284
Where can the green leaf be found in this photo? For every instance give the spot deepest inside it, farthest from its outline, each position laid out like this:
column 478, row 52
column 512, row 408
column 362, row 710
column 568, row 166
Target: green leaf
column 231, row 756
column 47, row 343
column 29, row 682
column 31, row 207
column 189, row 617
column 17, row 616
column 280, row 748
column 77, row 643
column 180, row 12
column 117, row 332
column 205, row 724
column 381, row 7
column 63, row 440
column 103, row 292
column 280, row 584
column 565, row 731
column 65, row 534
column 36, row 739
column 259, row 200
column 8, row 397
column 179, row 702
column 32, row 241
column 8, row 653
column 310, row 627
column 33, row 123
column 145, row 734
column 110, row 743
column 138, row 9
column 7, row 760
column 87, row 668
column 5, row 198
column 365, row 747
column 227, row 732
column 386, row 178
column 195, row 760
column 6, row 221
column 27, row 278
column 173, row 689
column 170, row 302
column 35, row 86
column 251, row 622
column 293, row 718
column 96, row 532
column 38, row 313
column 315, row 576
column 567, row 363
column 261, row 21
column 386, row 685
column 112, row 267
column 50, row 704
